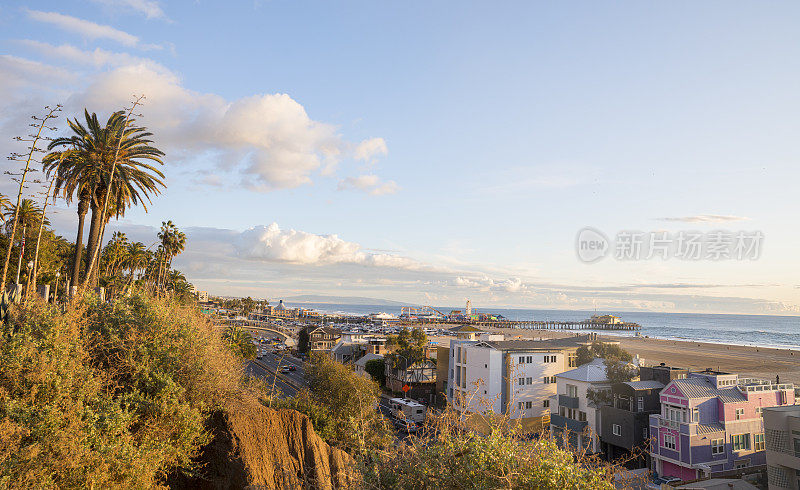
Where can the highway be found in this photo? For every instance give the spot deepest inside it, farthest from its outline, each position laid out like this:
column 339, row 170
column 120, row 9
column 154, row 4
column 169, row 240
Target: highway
column 268, row 365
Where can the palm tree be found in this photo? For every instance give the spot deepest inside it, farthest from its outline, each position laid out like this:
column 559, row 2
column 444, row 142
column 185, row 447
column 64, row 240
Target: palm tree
column 86, row 171
column 5, row 204
column 173, row 242
column 30, row 216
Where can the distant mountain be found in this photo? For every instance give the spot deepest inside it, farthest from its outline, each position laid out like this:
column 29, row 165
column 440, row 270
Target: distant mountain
column 341, row 300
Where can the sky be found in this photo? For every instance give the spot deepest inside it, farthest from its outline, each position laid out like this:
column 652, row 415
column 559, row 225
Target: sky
column 433, row 152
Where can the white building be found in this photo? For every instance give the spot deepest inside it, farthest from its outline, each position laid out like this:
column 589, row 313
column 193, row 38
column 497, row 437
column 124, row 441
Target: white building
column 514, row 377
column 574, row 420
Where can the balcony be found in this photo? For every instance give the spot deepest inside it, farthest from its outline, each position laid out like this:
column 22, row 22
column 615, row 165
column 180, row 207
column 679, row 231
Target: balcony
column 568, row 401
column 672, row 424
column 565, row 423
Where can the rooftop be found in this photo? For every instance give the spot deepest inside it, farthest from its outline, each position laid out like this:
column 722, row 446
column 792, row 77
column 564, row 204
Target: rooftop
column 645, row 385
column 701, row 387
column 536, row 345
column 366, row 358
column 591, row 372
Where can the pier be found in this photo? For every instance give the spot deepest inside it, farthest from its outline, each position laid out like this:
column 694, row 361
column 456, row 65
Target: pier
column 529, row 325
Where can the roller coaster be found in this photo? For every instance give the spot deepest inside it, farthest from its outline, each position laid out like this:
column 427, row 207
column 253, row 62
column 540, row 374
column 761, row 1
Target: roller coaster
column 420, row 312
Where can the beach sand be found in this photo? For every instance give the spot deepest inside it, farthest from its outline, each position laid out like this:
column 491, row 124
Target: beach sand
column 757, row 362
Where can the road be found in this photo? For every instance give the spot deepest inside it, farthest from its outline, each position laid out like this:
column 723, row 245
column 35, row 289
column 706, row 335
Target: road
column 287, row 383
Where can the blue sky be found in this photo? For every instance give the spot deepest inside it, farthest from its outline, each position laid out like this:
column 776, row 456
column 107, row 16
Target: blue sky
column 454, row 149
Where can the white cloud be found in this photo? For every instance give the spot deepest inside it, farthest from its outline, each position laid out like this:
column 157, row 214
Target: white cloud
column 150, row 8
column 369, row 183
column 270, row 243
column 97, row 57
column 705, row 218
column 270, row 137
column 369, row 150
column 85, row 28
column 19, row 73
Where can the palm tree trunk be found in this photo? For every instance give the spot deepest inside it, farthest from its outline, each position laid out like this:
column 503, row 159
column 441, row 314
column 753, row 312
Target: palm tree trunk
column 83, row 207
column 91, row 244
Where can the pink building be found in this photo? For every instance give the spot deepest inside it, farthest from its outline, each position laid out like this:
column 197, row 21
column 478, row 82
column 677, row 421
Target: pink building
column 711, row 422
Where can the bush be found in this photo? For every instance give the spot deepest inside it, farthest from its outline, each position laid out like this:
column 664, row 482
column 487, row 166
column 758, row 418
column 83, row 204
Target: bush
column 450, row 456
column 377, row 369
column 107, row 395
column 350, row 401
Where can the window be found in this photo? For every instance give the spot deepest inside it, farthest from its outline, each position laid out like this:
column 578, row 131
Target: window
column 520, row 405
column 695, row 415
column 547, row 380
column 644, row 433
column 582, row 416
column 528, row 404
column 669, row 441
column 529, row 381
column 796, row 435
column 616, row 429
column 465, row 356
column 717, row 446
column 739, row 413
column 522, row 359
column 573, row 360
column 530, row 359
column 572, row 391
column 740, row 442
column 640, row 404
column 758, row 442
column 760, row 411
column 521, row 381
column 742, row 463
column 458, row 354
column 546, row 404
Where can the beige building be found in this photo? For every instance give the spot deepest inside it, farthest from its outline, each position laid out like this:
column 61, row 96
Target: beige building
column 782, row 434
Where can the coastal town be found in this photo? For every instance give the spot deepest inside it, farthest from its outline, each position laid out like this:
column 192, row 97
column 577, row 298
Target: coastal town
column 666, row 425
column 364, row 245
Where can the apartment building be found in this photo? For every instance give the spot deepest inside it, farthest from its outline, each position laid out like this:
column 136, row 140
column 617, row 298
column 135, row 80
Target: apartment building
column 514, row 377
column 711, row 423
column 782, row 433
column 625, row 419
column 574, row 418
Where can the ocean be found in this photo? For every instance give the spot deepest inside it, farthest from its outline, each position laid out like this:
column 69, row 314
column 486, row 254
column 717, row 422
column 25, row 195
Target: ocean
column 755, row 330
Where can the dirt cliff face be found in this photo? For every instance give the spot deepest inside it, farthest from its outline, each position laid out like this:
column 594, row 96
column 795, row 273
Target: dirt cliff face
column 260, row 448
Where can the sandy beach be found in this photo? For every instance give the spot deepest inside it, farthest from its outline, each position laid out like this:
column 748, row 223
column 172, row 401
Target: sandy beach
column 758, row 362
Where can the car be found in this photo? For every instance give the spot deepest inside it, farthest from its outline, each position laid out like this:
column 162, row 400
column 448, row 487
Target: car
column 406, row 426
column 292, row 368
column 285, row 369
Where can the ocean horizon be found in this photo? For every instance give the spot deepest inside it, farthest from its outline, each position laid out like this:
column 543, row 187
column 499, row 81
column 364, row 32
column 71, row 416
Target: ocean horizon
column 772, row 331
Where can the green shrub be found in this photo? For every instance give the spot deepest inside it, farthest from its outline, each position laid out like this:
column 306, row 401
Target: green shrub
column 107, row 395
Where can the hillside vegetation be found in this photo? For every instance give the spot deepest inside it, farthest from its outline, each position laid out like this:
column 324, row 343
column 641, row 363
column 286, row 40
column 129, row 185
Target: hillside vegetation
column 138, row 393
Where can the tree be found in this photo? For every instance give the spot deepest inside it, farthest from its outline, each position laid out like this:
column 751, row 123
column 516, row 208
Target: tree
column 98, row 152
column 350, row 400
column 617, row 364
column 409, row 347
column 303, row 341
column 377, row 369
column 5, row 204
column 34, row 141
column 240, row 342
column 603, row 350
